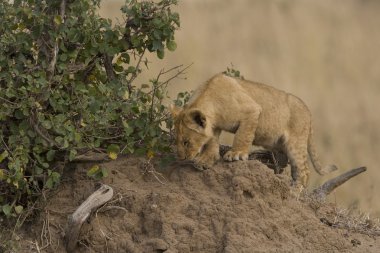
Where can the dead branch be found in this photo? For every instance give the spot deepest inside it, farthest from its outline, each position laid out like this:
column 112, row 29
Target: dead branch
column 325, row 189
column 75, row 221
column 275, row 160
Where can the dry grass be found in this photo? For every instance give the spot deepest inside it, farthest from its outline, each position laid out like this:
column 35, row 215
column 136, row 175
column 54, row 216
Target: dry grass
column 356, row 222
column 350, row 219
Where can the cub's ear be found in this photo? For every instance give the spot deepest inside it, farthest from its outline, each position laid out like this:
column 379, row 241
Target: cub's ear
column 198, row 118
column 175, row 110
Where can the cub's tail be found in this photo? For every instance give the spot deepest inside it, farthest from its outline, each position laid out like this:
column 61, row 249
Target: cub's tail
column 314, row 157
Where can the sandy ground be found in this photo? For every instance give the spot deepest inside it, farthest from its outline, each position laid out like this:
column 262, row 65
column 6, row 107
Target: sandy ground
column 233, row 207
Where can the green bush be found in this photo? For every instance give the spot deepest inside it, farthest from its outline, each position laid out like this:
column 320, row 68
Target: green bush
column 67, row 86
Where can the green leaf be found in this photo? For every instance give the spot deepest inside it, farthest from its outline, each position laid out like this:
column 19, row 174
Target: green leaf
column 19, row 209
column 97, row 173
column 49, row 183
column 65, row 143
column 38, row 170
column 7, row 209
column 63, row 57
column 97, row 143
column 131, row 69
column 18, row 114
column 136, row 41
column 59, row 140
column 50, row 155
column 171, row 45
column 53, row 180
column 93, row 170
column 57, row 19
column 157, row 45
column 160, row 54
column 118, row 68
column 2, row 174
column 125, row 57
column 104, row 172
column 56, row 177
column 77, row 137
column 124, row 94
column 3, row 155
column 112, row 151
column 72, row 154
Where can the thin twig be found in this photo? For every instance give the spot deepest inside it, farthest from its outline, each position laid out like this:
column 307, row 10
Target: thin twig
column 107, row 208
column 134, row 75
column 6, row 146
column 180, row 72
column 63, row 8
column 157, row 84
column 53, row 61
column 37, row 247
column 149, row 168
column 174, row 68
column 6, row 100
column 36, row 128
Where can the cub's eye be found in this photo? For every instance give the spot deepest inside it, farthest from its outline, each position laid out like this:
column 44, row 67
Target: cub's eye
column 186, row 143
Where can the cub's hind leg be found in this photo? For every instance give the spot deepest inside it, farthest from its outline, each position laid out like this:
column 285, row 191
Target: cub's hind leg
column 298, row 135
column 296, row 150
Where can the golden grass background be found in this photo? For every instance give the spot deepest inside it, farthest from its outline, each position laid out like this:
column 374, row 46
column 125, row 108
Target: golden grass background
column 326, row 52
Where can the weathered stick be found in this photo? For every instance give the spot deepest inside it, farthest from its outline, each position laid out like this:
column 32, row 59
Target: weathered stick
column 332, row 184
column 75, row 221
column 91, row 157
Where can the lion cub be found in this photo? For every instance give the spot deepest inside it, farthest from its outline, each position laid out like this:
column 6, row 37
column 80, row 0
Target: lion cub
column 257, row 113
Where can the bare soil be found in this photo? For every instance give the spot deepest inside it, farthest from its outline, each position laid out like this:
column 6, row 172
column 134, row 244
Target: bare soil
column 234, row 207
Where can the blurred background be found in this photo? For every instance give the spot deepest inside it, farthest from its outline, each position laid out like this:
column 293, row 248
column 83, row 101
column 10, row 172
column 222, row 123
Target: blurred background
column 325, row 52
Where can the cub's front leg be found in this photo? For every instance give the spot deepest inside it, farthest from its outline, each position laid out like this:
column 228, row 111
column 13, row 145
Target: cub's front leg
column 209, row 156
column 244, row 136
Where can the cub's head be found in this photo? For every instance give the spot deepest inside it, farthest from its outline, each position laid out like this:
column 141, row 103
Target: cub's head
column 192, row 132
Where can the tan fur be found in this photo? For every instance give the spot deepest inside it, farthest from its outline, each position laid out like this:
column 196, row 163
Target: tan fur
column 256, row 113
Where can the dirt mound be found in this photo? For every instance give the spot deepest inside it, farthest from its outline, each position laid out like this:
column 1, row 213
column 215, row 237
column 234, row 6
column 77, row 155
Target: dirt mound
column 234, row 207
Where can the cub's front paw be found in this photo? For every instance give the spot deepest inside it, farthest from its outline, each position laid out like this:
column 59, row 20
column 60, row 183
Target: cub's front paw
column 199, row 166
column 206, row 161
column 202, row 165
column 232, row 155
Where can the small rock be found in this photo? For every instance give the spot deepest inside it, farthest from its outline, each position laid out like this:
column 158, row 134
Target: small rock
column 355, row 242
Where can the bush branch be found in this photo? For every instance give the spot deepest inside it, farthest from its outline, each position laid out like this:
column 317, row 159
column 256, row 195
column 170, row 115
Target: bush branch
column 108, row 66
column 55, row 52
